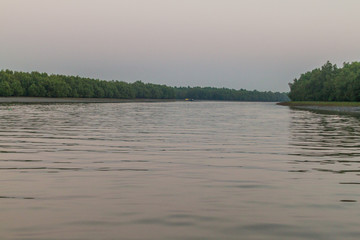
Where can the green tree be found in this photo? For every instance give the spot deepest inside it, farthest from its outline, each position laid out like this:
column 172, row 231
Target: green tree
column 5, row 89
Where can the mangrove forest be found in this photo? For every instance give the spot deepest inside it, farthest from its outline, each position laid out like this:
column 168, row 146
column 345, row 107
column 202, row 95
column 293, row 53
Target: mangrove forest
column 328, row 83
column 36, row 84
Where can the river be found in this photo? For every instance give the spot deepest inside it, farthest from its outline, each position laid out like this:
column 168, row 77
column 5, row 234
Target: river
column 177, row 170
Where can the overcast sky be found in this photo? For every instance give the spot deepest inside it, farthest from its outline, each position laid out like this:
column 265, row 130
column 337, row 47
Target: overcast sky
column 250, row 44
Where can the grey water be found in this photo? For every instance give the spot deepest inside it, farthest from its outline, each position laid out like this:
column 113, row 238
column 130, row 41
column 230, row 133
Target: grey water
column 177, row 170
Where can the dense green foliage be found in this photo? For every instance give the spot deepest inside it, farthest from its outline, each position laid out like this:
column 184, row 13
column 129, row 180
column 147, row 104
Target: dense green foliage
column 328, row 83
column 35, row 84
column 209, row 93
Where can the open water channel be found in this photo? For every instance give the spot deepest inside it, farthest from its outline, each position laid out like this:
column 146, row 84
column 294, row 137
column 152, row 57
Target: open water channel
column 177, row 170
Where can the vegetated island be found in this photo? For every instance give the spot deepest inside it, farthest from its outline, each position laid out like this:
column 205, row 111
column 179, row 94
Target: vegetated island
column 328, row 88
column 62, row 88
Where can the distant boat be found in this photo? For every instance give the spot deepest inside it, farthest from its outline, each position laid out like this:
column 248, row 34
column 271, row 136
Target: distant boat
column 189, row 99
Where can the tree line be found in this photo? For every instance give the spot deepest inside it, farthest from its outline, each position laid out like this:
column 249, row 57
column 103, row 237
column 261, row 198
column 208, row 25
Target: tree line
column 226, row 94
column 36, row 84
column 328, row 83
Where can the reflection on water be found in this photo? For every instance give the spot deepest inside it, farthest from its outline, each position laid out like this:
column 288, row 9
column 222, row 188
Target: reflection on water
column 326, row 142
column 199, row 170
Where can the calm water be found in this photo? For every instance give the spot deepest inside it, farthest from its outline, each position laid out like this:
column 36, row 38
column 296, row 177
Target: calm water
column 181, row 170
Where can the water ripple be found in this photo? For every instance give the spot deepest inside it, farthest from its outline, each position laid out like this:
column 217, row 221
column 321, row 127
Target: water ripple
column 200, row 170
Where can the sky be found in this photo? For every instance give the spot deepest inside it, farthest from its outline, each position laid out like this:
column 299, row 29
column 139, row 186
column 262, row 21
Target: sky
column 249, row 44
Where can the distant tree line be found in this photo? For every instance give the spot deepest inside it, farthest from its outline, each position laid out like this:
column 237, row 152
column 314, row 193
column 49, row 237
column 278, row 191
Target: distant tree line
column 328, row 83
column 35, row 84
column 226, row 94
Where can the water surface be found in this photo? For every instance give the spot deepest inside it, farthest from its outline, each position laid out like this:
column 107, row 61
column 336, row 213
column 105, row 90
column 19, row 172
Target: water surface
column 180, row 170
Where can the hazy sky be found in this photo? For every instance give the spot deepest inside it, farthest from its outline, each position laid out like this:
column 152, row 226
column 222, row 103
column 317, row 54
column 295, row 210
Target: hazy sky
column 251, row 44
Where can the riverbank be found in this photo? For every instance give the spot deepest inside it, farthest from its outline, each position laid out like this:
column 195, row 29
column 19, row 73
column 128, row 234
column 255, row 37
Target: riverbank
column 75, row 100
column 339, row 107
